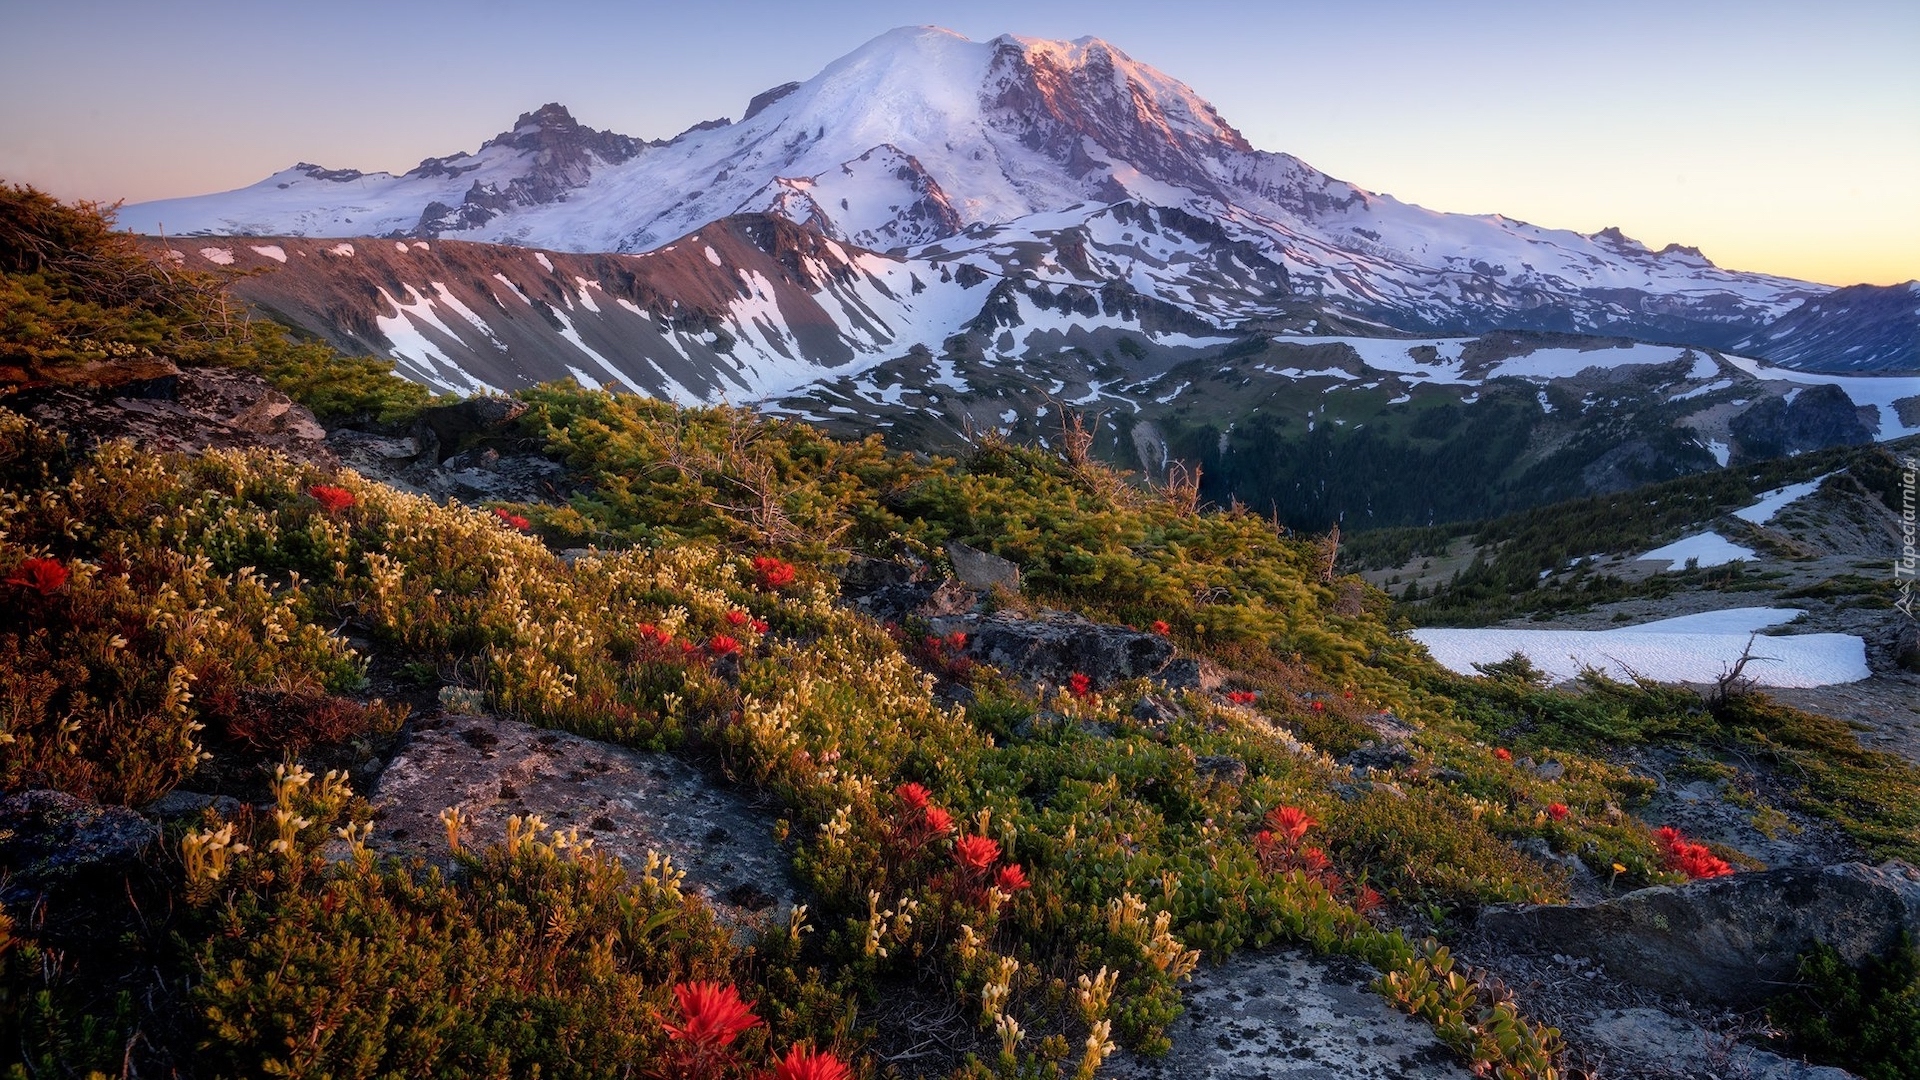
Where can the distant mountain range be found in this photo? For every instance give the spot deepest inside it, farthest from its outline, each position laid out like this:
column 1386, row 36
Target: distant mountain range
column 934, row 237
column 926, row 145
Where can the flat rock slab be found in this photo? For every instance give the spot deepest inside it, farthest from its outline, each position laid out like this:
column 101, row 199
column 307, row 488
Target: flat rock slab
column 1732, row 940
column 1649, row 1042
column 628, row 801
column 1290, row 1014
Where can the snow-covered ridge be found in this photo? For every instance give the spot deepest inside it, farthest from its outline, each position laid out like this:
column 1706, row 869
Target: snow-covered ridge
column 920, row 134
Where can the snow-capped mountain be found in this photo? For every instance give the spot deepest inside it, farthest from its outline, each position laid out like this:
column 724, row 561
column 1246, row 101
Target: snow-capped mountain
column 928, row 144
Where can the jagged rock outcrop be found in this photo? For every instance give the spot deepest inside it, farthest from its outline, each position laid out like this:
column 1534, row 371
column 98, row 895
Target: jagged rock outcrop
column 164, row 408
column 1733, row 940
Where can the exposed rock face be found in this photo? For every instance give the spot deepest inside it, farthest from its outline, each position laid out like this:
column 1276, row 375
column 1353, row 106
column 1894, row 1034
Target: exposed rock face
column 1731, row 940
column 629, row 802
column 1817, row 417
column 561, row 155
column 1056, row 646
column 180, row 409
column 50, row 839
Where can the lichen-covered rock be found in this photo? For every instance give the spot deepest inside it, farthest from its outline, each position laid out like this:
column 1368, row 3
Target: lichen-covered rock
column 1287, row 1014
column 49, row 839
column 1729, row 940
column 628, row 801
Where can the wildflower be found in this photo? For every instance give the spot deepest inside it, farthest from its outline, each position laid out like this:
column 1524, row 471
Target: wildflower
column 1367, row 900
column 758, row 626
column 331, row 499
column 1012, row 879
column 1291, row 820
column 1315, row 861
column 938, row 820
column 1501, row 753
column 912, row 796
column 1079, row 685
column 1557, row 811
column 714, row 1013
column 772, row 573
column 804, row 1064
column 976, row 853
column 1160, row 627
column 1319, row 706
column 1242, row 697
column 1691, row 859
column 957, row 640
column 44, row 576
column 512, row 521
column 722, row 645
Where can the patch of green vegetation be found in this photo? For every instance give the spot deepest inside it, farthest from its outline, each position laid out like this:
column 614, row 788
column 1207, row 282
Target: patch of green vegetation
column 1873, row 796
column 1865, row 1020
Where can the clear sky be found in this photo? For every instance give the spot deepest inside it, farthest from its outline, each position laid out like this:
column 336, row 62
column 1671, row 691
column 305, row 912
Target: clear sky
column 1775, row 136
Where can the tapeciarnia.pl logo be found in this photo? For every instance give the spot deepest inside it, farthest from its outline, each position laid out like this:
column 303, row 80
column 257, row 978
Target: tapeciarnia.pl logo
column 1904, row 565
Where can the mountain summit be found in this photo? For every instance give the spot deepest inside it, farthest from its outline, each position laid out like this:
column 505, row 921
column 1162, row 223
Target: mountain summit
column 923, row 137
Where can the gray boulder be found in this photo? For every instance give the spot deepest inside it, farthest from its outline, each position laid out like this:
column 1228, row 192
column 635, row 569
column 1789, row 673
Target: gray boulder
column 1731, row 941
column 980, row 570
column 49, row 839
column 628, row 801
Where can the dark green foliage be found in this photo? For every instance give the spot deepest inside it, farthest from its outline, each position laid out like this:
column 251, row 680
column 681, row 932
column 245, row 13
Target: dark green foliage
column 1865, row 1020
column 75, row 290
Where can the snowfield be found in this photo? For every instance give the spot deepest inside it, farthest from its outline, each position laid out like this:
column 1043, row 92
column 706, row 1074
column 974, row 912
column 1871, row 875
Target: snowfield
column 1690, row 648
column 1706, row 549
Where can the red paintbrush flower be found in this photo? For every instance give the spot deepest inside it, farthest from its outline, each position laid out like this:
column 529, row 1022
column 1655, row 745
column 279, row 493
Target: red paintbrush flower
column 938, row 820
column 714, row 1013
column 1160, row 627
column 1558, row 811
column 1079, row 685
column 512, row 521
column 912, row 796
column 758, row 626
column 44, row 576
column 738, row 618
column 1691, row 859
column 722, row 645
column 1502, row 754
column 803, row 1064
column 1242, row 697
column 976, row 853
column 772, row 573
column 1291, row 821
column 1315, row 861
column 331, row 499
column 1012, row 879
column 1319, row 706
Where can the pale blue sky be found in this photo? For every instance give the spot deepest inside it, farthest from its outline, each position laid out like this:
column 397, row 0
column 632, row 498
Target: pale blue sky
column 1782, row 137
